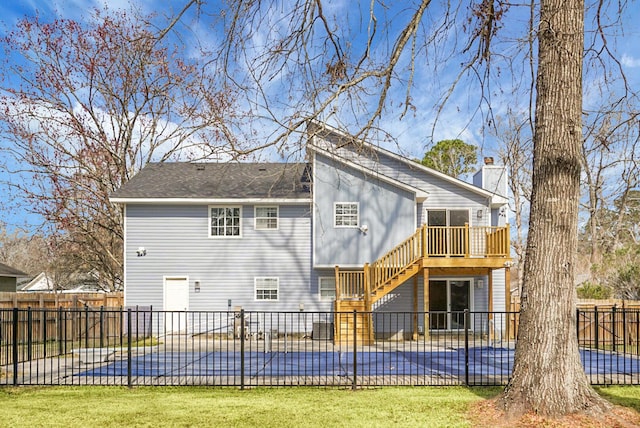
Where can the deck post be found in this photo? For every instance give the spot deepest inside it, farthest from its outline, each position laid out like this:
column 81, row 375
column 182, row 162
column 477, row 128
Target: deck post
column 367, row 322
column 337, row 274
column 425, row 301
column 507, row 291
column 466, row 240
column 424, row 240
column 366, row 287
column 490, row 304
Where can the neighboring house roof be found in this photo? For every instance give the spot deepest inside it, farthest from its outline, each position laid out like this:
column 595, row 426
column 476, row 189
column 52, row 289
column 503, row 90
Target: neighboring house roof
column 40, row 283
column 43, row 282
column 6, row 270
column 217, row 181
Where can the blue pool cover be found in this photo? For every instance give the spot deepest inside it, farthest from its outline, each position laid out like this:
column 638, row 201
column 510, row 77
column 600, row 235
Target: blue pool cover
column 484, row 361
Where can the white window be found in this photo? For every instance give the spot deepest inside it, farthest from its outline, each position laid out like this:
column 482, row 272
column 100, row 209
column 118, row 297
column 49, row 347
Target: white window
column 346, row 214
column 267, row 288
column 327, row 286
column 225, row 221
column 266, row 218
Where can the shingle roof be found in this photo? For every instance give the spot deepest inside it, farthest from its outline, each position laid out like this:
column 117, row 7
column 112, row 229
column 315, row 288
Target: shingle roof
column 9, row 271
column 218, row 181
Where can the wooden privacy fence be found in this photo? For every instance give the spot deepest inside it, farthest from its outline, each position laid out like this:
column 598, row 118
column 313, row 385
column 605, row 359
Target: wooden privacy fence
column 57, row 300
column 48, row 321
column 602, row 324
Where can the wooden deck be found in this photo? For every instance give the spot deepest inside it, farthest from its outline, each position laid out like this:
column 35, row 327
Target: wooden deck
column 431, row 250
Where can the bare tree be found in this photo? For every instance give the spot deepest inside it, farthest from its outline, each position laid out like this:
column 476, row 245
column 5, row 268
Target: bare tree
column 325, row 76
column 27, row 253
column 611, row 172
column 85, row 106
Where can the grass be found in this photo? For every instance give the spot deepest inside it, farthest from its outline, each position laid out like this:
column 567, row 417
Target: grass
column 284, row 407
column 200, row 406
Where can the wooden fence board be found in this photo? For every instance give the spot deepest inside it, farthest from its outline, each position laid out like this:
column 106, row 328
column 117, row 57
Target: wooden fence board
column 56, row 300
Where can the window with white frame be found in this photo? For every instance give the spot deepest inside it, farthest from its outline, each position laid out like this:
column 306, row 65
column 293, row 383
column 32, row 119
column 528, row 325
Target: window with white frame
column 346, row 214
column 266, row 218
column 267, row 288
column 327, row 286
column 225, row 221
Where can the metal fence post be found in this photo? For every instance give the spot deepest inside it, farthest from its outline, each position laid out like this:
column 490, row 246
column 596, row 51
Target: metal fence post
column 29, row 334
column 624, row 331
column 101, row 326
column 355, row 349
column 15, row 346
column 86, row 325
column 242, row 333
column 596, row 334
column 60, row 330
column 129, row 347
column 466, row 347
column 43, row 315
column 614, row 330
column 578, row 325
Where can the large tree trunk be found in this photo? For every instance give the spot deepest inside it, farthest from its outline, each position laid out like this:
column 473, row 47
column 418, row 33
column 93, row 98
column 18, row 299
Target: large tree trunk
column 548, row 377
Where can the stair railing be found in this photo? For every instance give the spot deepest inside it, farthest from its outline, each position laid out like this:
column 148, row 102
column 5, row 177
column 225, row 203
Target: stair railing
column 397, row 260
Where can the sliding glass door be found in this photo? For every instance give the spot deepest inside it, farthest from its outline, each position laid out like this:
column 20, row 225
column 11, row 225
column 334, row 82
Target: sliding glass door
column 447, row 300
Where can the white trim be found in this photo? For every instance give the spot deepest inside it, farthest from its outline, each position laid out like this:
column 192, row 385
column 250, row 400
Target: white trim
column 255, row 217
column 335, row 215
column 224, row 236
column 333, row 266
column 314, row 209
column 255, row 288
column 210, row 201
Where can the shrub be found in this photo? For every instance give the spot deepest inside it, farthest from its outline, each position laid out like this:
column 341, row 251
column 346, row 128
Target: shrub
column 589, row 290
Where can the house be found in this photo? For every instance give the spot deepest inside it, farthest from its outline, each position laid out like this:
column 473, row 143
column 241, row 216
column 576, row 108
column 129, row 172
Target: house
column 9, row 278
column 354, row 227
column 76, row 283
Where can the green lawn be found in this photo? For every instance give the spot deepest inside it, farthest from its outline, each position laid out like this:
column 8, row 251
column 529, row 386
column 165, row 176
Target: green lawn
column 285, row 407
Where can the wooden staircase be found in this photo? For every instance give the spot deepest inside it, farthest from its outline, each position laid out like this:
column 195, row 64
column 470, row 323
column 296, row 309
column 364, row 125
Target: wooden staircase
column 359, row 290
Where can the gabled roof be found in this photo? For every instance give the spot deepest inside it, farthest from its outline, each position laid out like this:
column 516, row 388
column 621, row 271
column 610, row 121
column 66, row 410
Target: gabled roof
column 217, row 181
column 322, row 130
column 6, row 270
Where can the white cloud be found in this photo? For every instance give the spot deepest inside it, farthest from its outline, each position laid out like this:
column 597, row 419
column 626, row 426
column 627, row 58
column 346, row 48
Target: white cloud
column 629, row 61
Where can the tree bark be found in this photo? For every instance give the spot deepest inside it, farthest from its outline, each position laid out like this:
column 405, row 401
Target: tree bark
column 548, row 377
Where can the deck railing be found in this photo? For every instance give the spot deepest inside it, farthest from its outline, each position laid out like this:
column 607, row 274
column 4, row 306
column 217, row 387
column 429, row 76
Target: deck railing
column 427, row 241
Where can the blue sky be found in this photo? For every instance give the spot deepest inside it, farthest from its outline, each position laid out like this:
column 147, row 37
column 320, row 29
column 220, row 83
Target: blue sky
column 414, row 132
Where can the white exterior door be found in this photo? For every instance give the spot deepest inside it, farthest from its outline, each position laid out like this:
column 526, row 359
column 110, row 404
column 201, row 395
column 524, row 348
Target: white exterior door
column 176, row 302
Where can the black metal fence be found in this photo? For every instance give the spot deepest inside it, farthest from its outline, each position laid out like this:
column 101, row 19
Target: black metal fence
column 141, row 346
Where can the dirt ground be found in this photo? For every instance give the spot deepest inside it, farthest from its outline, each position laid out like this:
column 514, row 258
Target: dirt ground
column 485, row 414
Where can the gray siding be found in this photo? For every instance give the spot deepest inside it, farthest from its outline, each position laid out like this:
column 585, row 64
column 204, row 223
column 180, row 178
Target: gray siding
column 442, row 193
column 8, row 284
column 177, row 243
column 388, row 211
column 401, row 300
